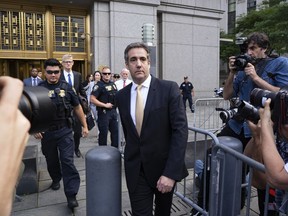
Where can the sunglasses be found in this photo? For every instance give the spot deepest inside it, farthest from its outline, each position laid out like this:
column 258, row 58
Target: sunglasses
column 106, row 73
column 52, row 71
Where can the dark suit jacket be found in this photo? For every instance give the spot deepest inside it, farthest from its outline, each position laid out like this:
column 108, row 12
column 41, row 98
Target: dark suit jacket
column 77, row 83
column 28, row 81
column 162, row 144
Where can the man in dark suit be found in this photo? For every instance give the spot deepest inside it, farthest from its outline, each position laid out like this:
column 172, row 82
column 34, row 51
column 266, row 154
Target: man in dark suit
column 155, row 149
column 74, row 79
column 34, row 80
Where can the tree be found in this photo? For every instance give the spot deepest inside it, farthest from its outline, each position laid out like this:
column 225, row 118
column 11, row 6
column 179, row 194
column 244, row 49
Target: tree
column 272, row 20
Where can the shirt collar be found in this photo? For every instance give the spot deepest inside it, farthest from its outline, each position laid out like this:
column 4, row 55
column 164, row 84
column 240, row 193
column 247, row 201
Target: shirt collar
column 146, row 83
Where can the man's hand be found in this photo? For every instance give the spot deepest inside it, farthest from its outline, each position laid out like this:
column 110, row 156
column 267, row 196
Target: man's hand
column 38, row 136
column 165, row 184
column 85, row 131
column 232, row 67
column 250, row 71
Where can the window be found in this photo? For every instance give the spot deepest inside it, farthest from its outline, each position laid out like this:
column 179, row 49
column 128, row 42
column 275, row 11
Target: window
column 67, row 33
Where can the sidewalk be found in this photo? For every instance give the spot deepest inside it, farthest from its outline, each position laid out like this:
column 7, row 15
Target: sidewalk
column 53, row 203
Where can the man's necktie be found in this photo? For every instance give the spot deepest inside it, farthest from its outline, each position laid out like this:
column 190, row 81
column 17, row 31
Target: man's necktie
column 34, row 82
column 124, row 83
column 69, row 79
column 139, row 110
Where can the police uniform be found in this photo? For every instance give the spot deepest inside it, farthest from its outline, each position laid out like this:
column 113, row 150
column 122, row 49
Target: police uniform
column 59, row 137
column 107, row 118
column 186, row 92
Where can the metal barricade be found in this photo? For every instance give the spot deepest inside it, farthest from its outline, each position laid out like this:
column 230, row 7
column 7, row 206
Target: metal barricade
column 205, row 116
column 199, row 142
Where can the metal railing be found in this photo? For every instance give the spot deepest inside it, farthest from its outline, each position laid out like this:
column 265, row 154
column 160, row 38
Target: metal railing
column 220, row 160
column 205, row 116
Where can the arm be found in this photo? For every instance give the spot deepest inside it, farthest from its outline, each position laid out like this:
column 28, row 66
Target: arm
column 98, row 103
column 79, row 112
column 12, row 147
column 276, row 174
column 175, row 163
column 228, row 87
column 250, row 71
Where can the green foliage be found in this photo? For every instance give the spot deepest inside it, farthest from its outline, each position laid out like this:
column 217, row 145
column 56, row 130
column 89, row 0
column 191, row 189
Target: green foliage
column 272, row 20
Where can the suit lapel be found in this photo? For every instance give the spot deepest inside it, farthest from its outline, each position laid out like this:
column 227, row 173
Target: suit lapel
column 150, row 99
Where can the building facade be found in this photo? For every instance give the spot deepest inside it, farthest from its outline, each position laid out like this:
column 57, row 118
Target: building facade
column 96, row 33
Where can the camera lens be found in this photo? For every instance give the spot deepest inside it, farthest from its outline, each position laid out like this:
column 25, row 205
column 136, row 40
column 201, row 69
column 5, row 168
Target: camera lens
column 259, row 96
column 37, row 107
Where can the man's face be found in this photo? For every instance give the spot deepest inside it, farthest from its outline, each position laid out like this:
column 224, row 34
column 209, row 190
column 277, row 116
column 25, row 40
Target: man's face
column 34, row 72
column 125, row 74
column 106, row 74
column 138, row 65
column 52, row 74
column 68, row 64
column 255, row 51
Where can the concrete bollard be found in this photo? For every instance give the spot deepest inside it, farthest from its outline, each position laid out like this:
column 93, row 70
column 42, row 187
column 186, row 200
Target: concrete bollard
column 103, row 181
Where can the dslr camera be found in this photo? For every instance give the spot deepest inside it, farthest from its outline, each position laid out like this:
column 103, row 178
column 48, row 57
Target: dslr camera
column 243, row 59
column 37, row 107
column 240, row 111
column 278, row 105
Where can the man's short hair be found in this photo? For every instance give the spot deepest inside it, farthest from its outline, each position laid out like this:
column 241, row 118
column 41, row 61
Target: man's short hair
column 186, row 77
column 51, row 62
column 136, row 45
column 261, row 39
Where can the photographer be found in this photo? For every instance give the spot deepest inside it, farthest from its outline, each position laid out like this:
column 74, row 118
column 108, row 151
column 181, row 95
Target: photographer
column 14, row 136
column 255, row 69
column 274, row 154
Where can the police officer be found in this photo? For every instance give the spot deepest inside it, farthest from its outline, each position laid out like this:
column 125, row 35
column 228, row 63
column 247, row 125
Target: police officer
column 59, row 137
column 103, row 96
column 187, row 91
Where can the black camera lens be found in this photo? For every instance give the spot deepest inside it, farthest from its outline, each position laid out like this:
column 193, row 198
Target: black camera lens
column 249, row 112
column 37, row 107
column 259, row 96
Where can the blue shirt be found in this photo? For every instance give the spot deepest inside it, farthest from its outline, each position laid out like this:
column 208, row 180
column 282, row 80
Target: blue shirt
column 275, row 72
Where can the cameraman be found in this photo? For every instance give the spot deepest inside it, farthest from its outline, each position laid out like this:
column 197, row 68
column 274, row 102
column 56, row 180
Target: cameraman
column 274, row 154
column 267, row 72
column 14, row 135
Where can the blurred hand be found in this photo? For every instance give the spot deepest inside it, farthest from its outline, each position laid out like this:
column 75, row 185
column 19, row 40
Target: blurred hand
column 14, row 135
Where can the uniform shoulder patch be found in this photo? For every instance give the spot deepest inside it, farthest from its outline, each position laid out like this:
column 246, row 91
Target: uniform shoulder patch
column 95, row 87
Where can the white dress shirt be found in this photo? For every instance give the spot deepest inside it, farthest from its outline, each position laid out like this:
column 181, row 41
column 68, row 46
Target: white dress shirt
column 66, row 76
column 120, row 83
column 144, row 91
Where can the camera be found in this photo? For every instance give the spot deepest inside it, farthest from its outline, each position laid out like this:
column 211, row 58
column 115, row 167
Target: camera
column 278, row 105
column 227, row 114
column 242, row 110
column 37, row 107
column 241, row 61
column 218, row 92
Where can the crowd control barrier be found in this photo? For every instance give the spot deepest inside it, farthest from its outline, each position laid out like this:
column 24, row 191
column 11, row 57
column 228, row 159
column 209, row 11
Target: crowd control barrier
column 225, row 176
column 205, row 116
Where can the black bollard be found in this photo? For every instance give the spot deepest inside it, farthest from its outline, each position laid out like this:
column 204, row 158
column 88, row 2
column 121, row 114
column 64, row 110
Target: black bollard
column 229, row 185
column 103, row 181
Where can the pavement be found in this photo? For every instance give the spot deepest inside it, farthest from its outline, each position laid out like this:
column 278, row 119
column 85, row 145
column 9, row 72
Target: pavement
column 47, row 202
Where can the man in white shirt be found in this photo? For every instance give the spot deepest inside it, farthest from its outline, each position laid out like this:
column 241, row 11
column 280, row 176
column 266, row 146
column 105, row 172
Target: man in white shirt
column 124, row 81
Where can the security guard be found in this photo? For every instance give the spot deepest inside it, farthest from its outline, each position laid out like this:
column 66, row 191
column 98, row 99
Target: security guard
column 187, row 91
column 103, row 95
column 59, row 137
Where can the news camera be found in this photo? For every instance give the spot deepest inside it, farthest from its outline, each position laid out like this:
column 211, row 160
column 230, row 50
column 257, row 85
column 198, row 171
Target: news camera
column 37, row 107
